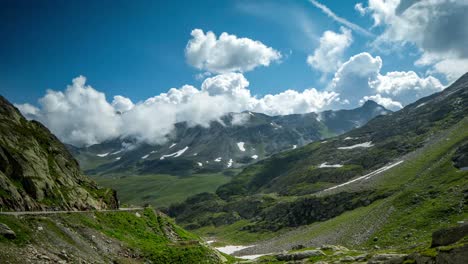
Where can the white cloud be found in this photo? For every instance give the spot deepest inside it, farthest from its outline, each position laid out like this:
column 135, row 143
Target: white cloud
column 81, row 115
column 360, row 9
column 341, row 20
column 122, row 104
column 360, row 79
column 383, row 101
column 228, row 53
column 436, row 27
column 293, row 102
column 327, row 57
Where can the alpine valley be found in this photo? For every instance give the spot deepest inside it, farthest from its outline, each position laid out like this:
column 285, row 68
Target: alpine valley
column 200, row 159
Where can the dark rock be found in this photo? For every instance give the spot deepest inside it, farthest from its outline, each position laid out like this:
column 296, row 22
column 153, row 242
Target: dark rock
column 387, row 259
column 454, row 256
column 447, row 236
column 7, row 232
column 299, row 255
column 297, row 247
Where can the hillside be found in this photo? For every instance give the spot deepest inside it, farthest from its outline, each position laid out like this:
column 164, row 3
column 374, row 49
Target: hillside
column 52, row 213
column 143, row 236
column 391, row 183
column 37, row 172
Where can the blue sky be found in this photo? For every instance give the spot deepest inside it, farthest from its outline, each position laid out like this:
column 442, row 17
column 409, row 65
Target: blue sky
column 73, row 65
column 136, row 48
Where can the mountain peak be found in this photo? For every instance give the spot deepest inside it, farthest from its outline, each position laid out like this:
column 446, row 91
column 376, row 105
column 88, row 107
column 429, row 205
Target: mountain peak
column 370, row 103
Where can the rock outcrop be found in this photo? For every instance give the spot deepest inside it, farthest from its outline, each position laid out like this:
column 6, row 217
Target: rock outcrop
column 447, row 236
column 38, row 173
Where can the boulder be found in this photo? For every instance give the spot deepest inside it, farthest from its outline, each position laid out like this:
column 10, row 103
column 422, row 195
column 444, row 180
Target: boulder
column 457, row 255
column 7, row 232
column 389, row 258
column 299, row 255
column 447, row 236
column 333, row 248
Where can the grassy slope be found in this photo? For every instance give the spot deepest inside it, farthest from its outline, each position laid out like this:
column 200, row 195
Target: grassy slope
column 161, row 189
column 151, row 236
column 429, row 194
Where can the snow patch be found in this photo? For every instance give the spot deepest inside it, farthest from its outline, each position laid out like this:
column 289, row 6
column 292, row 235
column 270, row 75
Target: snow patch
column 325, row 165
column 218, row 159
column 175, row 154
column 200, row 164
column 367, row 176
column 420, row 105
column 173, row 144
column 102, row 155
column 145, row 156
column 294, row 146
column 250, row 113
column 229, row 163
column 240, row 145
column 276, row 126
column 231, row 249
column 117, row 152
column 195, row 154
column 255, row 157
column 118, row 158
column 361, row 145
column 349, row 138
column 251, row 257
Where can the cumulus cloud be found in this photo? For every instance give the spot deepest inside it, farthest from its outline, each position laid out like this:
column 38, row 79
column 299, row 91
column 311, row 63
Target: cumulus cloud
column 122, row 104
column 81, row 115
column 436, row 27
column 360, row 79
column 327, row 57
column 228, row 53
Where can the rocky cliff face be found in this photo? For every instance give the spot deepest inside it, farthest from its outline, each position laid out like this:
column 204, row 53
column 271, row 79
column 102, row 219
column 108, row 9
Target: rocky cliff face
column 38, row 173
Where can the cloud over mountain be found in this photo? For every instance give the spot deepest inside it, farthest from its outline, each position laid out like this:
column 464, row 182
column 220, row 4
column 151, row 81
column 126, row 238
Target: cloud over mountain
column 228, row 53
column 436, row 27
column 360, row 78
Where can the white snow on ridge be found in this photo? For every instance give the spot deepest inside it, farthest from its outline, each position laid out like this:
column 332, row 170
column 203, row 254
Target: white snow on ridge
column 118, row 158
column 367, row 176
column 361, row 145
column 102, row 155
column 229, row 163
column 325, row 165
column 294, row 146
column 349, row 138
column 200, row 164
column 175, row 154
column 422, row 104
column 145, row 156
column 255, row 157
column 117, row 152
column 173, row 144
column 218, row 159
column 240, row 145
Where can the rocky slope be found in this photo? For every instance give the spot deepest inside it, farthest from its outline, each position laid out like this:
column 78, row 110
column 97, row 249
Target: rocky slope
column 37, row 172
column 143, row 236
column 225, row 144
